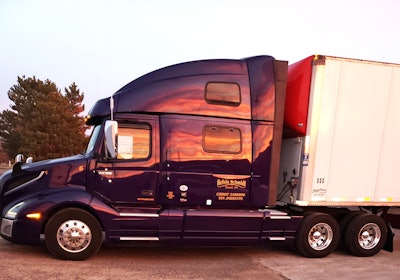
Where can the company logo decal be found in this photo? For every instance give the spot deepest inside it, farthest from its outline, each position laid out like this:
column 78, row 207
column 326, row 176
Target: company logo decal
column 230, row 196
column 105, row 173
column 231, row 184
column 170, row 195
column 321, row 192
column 234, row 186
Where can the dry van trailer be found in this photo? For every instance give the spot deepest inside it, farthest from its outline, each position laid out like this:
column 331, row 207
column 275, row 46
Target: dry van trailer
column 343, row 124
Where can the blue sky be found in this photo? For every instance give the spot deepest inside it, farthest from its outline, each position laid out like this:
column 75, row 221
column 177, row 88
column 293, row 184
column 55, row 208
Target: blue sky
column 102, row 45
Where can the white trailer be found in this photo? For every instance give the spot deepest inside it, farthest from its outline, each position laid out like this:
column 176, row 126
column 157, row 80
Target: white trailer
column 341, row 142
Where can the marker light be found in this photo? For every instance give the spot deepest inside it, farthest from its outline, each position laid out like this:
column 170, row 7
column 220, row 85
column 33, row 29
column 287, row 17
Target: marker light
column 34, row 216
column 307, row 145
column 87, row 118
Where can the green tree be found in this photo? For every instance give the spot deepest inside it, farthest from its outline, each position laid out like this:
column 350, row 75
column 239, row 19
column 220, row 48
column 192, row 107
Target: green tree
column 42, row 122
column 9, row 135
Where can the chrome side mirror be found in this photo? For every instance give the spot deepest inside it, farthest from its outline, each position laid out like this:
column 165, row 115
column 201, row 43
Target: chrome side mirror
column 111, row 134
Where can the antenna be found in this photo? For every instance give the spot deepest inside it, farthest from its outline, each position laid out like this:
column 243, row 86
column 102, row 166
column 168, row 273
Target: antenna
column 112, row 107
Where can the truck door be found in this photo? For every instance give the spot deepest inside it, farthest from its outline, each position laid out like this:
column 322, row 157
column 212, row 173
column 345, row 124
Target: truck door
column 132, row 177
column 207, row 161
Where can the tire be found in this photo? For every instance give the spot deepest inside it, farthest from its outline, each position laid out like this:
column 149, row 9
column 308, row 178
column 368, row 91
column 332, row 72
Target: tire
column 343, row 225
column 318, row 235
column 73, row 234
column 365, row 235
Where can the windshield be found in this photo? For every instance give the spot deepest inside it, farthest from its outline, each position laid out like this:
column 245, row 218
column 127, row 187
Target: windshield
column 93, row 139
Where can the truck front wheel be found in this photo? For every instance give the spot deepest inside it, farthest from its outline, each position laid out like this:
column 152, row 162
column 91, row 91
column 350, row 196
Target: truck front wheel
column 73, row 234
column 365, row 235
column 318, row 235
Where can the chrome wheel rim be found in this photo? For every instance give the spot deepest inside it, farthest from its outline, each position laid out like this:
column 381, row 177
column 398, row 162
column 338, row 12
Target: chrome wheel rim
column 74, row 236
column 369, row 236
column 320, row 236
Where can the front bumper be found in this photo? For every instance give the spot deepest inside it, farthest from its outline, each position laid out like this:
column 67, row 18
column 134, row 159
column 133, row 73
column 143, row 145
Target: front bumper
column 21, row 232
column 6, row 227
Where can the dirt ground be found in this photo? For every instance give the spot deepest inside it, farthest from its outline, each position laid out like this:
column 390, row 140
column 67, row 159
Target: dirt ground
column 270, row 262
column 27, row 262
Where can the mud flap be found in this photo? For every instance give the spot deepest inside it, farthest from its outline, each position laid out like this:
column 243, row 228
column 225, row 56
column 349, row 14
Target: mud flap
column 389, row 242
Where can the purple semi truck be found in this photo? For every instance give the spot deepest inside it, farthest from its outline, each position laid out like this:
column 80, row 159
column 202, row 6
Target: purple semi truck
column 215, row 152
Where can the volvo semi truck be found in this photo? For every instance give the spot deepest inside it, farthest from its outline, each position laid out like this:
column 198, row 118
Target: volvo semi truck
column 224, row 152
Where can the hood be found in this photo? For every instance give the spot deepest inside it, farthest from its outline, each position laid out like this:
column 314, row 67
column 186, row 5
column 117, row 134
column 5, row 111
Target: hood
column 26, row 179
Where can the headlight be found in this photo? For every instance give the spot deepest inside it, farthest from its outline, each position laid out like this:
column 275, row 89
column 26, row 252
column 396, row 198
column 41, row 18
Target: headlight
column 12, row 213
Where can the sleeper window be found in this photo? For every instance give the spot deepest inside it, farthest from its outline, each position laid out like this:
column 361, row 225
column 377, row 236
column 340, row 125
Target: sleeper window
column 223, row 93
column 219, row 139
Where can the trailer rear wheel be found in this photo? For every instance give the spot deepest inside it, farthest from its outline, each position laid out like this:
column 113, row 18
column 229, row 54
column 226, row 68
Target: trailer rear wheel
column 346, row 220
column 365, row 235
column 343, row 225
column 318, row 235
column 73, row 234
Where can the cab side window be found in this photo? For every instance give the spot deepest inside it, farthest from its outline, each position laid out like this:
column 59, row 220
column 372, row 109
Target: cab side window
column 134, row 141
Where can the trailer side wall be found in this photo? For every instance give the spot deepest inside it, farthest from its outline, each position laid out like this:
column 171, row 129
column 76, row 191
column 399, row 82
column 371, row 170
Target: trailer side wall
column 350, row 150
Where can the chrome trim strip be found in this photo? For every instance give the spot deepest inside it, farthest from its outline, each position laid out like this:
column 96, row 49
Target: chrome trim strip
column 139, row 215
column 26, row 183
column 231, row 176
column 139, row 238
column 276, row 238
column 280, row 218
column 274, row 212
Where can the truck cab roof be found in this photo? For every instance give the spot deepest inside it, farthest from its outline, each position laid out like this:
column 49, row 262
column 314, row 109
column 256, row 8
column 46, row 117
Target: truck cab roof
column 230, row 87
